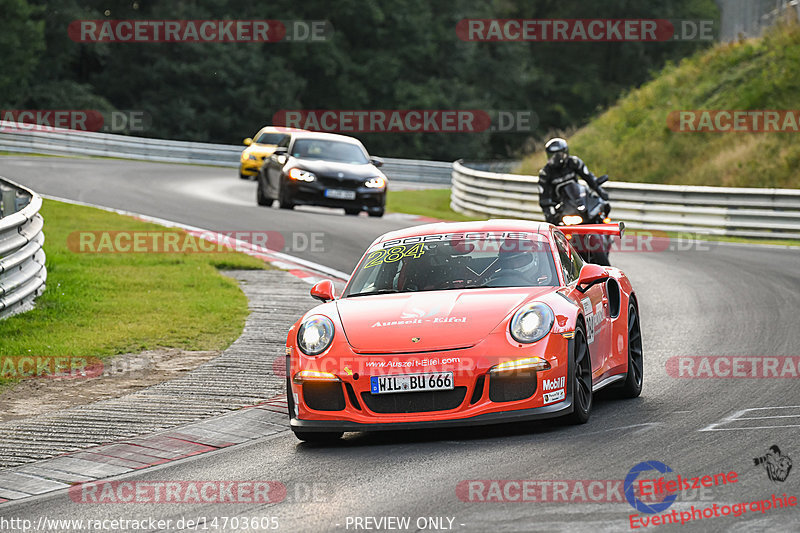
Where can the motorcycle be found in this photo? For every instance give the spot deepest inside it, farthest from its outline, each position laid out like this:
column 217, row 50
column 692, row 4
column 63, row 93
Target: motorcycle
column 580, row 205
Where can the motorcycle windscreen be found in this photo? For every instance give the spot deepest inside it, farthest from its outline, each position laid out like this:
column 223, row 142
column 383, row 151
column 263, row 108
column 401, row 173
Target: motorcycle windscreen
column 573, row 193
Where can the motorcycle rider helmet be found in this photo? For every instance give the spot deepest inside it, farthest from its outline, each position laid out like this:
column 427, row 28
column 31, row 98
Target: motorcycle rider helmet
column 557, row 151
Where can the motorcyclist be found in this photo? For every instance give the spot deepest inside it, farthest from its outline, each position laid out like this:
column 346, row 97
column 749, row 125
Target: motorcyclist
column 561, row 168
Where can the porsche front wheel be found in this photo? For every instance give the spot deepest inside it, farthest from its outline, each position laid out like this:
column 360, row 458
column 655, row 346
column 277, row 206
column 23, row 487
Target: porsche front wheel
column 581, row 379
column 632, row 386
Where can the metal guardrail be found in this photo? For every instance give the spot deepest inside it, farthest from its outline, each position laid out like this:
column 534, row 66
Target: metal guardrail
column 742, row 212
column 22, row 269
column 418, row 170
column 749, row 18
column 24, row 138
column 736, row 212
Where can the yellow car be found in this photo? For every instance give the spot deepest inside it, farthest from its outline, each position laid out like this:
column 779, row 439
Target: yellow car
column 261, row 148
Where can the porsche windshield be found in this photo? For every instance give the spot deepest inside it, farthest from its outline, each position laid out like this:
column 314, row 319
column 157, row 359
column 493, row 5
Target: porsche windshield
column 454, row 264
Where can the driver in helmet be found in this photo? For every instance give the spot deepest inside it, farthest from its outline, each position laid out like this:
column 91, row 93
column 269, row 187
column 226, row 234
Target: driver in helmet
column 561, row 168
column 515, row 267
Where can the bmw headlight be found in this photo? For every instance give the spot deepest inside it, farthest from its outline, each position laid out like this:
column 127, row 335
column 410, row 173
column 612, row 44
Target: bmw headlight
column 531, row 323
column 252, row 157
column 301, row 175
column 571, row 220
column 375, row 183
column 315, row 335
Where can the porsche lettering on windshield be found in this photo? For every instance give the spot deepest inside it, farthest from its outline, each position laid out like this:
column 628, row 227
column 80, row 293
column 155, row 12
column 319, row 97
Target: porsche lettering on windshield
column 476, row 235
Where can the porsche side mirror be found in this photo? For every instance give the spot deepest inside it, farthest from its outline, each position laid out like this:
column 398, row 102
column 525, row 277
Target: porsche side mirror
column 377, row 161
column 248, row 141
column 591, row 274
column 323, row 291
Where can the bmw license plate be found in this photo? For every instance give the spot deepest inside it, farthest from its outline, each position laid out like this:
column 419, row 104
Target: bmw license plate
column 411, row 382
column 339, row 194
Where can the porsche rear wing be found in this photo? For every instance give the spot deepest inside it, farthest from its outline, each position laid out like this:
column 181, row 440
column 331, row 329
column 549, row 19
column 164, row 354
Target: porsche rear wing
column 594, row 229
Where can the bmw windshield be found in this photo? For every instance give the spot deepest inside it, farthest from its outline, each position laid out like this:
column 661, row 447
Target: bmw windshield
column 341, row 152
column 411, row 265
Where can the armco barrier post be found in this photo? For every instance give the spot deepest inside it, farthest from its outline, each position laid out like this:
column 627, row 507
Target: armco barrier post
column 8, row 202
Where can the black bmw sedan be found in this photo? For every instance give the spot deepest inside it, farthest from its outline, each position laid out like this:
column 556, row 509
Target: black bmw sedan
column 323, row 169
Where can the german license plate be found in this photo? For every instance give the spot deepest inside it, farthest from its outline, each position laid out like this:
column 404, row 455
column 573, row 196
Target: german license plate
column 411, row 382
column 339, row 194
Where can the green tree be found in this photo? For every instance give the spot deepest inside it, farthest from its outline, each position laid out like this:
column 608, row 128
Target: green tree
column 383, row 54
column 21, row 44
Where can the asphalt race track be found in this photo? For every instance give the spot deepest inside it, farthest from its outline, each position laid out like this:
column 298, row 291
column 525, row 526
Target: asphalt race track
column 712, row 300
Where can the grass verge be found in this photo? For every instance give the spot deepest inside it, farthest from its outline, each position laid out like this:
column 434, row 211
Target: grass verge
column 636, row 140
column 434, row 203
column 102, row 304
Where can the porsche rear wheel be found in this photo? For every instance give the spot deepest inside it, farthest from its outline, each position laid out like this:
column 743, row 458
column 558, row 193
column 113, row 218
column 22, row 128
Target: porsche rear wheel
column 581, row 379
column 635, row 376
column 318, row 436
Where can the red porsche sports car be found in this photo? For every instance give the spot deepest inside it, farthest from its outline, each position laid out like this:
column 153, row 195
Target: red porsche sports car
column 464, row 324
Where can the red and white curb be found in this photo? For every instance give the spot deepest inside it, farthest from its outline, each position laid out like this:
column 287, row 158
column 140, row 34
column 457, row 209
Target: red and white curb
column 122, row 457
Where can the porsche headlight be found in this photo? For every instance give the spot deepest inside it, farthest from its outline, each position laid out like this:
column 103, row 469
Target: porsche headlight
column 315, row 335
column 571, row 220
column 531, row 323
column 301, row 175
column 375, row 183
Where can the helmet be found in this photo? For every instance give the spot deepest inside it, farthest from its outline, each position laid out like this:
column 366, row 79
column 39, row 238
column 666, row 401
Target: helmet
column 517, row 255
column 557, row 151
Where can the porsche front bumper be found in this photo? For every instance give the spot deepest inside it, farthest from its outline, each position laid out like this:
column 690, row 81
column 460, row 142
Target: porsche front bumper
column 477, row 404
